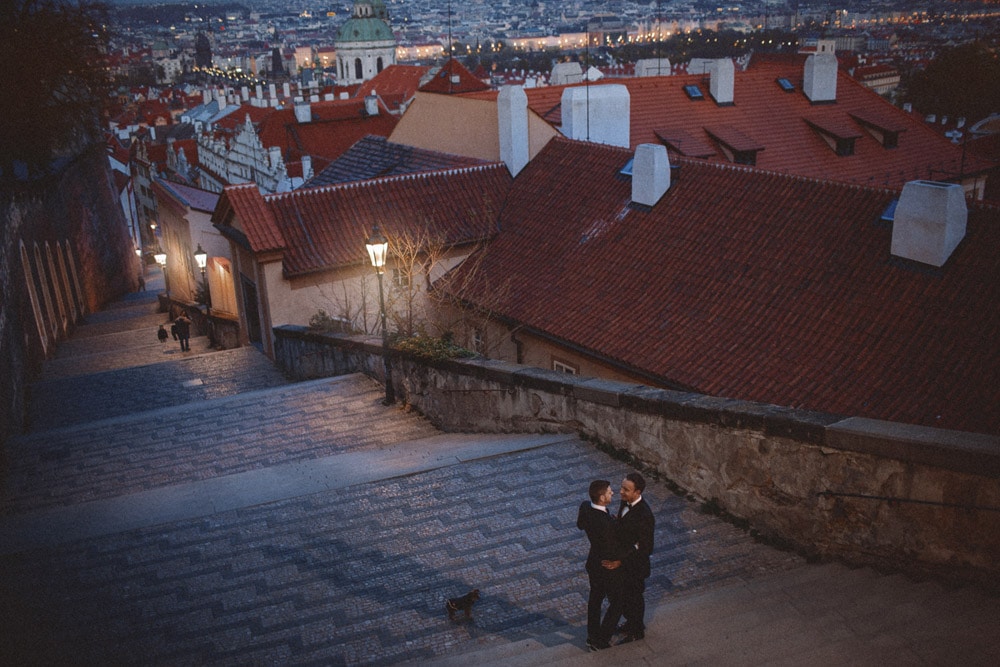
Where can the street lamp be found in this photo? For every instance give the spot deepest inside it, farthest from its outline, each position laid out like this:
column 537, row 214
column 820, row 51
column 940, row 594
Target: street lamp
column 201, row 257
column 378, row 248
column 161, row 259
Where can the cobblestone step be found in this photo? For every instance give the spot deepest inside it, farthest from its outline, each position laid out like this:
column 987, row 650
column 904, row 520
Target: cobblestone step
column 187, row 377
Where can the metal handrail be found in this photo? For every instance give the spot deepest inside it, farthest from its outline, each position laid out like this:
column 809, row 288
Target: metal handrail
column 894, row 499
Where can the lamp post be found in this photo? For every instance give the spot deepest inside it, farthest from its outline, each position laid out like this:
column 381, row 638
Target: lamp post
column 378, row 248
column 201, row 257
column 161, row 259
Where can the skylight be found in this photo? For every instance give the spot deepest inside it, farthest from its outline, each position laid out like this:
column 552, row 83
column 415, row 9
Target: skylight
column 785, row 84
column 694, row 92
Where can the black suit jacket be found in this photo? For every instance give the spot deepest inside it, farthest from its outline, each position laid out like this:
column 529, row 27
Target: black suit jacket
column 600, row 529
column 636, row 528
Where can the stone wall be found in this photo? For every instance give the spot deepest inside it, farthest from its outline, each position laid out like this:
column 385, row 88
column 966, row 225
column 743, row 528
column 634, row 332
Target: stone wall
column 72, row 213
column 859, row 490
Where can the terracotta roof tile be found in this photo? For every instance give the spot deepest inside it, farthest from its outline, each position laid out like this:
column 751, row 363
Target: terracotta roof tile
column 774, row 119
column 753, row 285
column 323, row 228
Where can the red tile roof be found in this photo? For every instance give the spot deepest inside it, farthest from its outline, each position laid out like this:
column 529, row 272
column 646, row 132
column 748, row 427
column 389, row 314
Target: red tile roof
column 318, row 229
column 753, row 285
column 453, row 78
column 777, row 121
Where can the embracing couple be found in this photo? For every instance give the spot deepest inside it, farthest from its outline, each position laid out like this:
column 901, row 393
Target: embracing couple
column 618, row 561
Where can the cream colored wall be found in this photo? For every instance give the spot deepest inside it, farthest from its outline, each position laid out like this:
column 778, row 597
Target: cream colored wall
column 451, row 125
column 462, row 126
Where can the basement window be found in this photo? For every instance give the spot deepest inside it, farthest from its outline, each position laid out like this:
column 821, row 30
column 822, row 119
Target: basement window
column 694, row 93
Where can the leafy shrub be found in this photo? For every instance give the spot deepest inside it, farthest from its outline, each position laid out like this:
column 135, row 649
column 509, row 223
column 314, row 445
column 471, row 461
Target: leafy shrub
column 435, row 349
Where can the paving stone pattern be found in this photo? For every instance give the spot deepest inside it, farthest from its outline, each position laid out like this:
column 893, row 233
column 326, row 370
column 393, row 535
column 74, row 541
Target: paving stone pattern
column 191, row 377
column 360, row 575
column 202, row 439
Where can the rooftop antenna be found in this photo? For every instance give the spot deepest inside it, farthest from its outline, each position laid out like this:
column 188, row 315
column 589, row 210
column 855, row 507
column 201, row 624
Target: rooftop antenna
column 451, row 47
column 659, row 39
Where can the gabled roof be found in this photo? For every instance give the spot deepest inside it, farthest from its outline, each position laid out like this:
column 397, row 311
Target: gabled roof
column 373, row 157
column 334, row 127
column 777, row 120
column 453, row 78
column 319, row 229
column 395, row 86
column 752, row 285
column 192, row 197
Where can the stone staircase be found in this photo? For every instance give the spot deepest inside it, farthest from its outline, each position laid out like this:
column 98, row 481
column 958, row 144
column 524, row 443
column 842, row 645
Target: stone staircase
column 820, row 614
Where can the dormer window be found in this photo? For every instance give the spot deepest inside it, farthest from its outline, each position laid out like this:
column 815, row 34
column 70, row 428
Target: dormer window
column 885, row 130
column 840, row 136
column 736, row 146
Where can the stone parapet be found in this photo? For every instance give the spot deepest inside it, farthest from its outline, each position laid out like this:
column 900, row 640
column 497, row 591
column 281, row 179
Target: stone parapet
column 859, row 490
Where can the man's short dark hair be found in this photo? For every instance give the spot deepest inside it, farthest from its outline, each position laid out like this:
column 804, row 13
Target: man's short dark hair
column 597, row 489
column 637, row 480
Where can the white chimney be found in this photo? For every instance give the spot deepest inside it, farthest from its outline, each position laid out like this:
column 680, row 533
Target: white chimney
column 929, row 222
column 314, row 98
column 206, row 96
column 327, row 97
column 650, row 174
column 260, row 90
column 307, row 168
column 597, row 113
column 274, row 153
column 371, row 105
column 244, row 93
column 303, row 112
column 512, row 116
column 722, row 82
column 286, row 89
column 820, row 80
column 907, row 107
column 272, row 92
column 344, row 95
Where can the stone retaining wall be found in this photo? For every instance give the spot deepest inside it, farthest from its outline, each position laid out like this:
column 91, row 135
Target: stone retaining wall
column 859, row 490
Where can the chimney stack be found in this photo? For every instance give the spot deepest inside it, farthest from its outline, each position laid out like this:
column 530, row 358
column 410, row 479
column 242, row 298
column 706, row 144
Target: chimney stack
column 512, row 110
column 274, row 152
column 371, row 105
column 650, row 174
column 722, row 81
column 272, row 92
column 286, row 89
column 600, row 114
column 303, row 112
column 929, row 222
column 820, row 80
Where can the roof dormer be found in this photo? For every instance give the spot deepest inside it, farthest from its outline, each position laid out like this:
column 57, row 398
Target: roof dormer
column 736, row 146
column 839, row 135
column 885, row 130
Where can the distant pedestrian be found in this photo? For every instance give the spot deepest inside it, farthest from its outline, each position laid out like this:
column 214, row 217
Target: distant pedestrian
column 183, row 326
column 142, row 283
column 162, row 334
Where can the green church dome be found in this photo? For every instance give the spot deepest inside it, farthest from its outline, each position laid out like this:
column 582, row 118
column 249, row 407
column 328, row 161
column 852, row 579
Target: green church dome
column 368, row 23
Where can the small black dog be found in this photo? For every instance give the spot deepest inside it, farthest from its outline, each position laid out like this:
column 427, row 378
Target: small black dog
column 464, row 603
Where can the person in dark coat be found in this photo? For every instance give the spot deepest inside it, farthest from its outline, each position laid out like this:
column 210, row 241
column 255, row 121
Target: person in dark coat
column 162, row 334
column 635, row 528
column 594, row 518
column 183, row 326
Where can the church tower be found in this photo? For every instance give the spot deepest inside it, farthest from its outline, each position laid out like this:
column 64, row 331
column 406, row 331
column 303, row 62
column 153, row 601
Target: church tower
column 365, row 43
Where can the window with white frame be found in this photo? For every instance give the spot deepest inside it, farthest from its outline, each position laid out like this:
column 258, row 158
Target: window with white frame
column 563, row 367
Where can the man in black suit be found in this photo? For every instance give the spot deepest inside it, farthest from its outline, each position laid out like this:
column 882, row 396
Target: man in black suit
column 635, row 532
column 605, row 581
